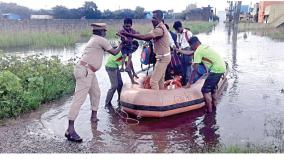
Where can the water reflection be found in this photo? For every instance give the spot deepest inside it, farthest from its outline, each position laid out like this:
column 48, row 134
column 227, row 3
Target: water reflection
column 229, row 29
column 234, row 48
column 210, row 137
column 187, row 132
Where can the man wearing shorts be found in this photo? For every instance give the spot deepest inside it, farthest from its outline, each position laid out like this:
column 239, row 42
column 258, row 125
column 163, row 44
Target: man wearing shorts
column 216, row 68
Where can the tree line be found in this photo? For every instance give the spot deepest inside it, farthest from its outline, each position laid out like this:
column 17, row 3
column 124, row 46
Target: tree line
column 88, row 11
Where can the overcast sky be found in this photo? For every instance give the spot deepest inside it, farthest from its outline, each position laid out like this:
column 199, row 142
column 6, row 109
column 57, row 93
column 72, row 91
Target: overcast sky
column 149, row 5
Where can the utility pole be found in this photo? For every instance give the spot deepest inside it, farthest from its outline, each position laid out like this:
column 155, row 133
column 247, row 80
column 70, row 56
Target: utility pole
column 237, row 9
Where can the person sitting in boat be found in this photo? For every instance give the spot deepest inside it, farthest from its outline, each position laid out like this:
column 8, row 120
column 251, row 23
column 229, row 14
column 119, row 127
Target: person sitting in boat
column 183, row 35
column 174, row 68
column 112, row 68
column 216, row 66
column 201, row 70
column 173, row 83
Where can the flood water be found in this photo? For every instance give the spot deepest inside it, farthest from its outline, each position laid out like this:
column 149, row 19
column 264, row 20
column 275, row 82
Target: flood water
column 250, row 110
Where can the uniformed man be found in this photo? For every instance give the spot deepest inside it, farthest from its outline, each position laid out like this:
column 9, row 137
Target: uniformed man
column 86, row 80
column 161, row 48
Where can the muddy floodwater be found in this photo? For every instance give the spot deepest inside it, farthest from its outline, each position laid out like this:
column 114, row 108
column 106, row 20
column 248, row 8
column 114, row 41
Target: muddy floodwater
column 250, row 110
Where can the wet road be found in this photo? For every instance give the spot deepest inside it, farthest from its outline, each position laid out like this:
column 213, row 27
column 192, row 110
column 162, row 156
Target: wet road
column 250, row 110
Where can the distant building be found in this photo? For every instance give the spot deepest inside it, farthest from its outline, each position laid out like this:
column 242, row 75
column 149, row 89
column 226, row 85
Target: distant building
column 41, row 17
column 200, row 14
column 255, row 11
column 11, row 16
column 262, row 18
column 245, row 9
column 245, row 13
column 273, row 12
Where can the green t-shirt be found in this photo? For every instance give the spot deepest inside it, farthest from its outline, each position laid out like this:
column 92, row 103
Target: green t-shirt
column 114, row 61
column 213, row 61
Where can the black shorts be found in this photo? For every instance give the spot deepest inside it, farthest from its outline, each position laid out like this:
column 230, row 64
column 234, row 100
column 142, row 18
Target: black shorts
column 211, row 83
column 126, row 50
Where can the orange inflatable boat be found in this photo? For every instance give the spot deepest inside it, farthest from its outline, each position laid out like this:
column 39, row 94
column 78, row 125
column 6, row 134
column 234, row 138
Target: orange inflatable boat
column 137, row 100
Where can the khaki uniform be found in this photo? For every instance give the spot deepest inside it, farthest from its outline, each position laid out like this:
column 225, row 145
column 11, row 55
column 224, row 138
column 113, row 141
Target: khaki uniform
column 162, row 50
column 86, row 80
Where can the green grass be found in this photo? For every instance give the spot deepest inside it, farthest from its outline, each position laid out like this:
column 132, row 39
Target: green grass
column 276, row 35
column 254, row 26
column 251, row 149
column 195, row 27
column 199, row 27
column 36, row 39
column 243, row 148
column 57, row 39
column 263, row 29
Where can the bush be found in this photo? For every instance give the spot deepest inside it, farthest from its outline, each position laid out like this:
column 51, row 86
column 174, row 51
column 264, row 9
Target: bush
column 28, row 82
column 10, row 94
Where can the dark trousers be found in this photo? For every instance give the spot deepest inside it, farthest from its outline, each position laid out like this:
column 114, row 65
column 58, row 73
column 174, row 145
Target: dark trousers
column 186, row 68
column 116, row 83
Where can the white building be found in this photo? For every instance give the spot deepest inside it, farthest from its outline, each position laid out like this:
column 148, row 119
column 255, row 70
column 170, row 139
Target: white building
column 41, row 17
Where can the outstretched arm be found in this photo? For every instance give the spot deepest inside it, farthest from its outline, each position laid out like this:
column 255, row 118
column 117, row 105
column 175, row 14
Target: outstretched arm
column 194, row 72
column 115, row 51
column 145, row 37
column 122, row 36
column 186, row 52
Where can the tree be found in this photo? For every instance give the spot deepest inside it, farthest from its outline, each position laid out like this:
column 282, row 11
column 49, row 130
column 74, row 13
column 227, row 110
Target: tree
column 139, row 13
column 169, row 14
column 90, row 10
column 75, row 13
column 123, row 13
column 43, row 12
column 107, row 14
column 61, row 12
column 23, row 12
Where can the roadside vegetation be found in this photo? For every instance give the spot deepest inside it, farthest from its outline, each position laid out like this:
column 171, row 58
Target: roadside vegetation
column 25, row 83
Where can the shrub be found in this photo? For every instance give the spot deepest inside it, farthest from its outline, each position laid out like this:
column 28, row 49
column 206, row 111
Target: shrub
column 11, row 102
column 28, row 82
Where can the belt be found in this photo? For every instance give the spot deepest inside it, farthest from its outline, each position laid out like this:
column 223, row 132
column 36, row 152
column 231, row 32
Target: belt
column 159, row 56
column 85, row 64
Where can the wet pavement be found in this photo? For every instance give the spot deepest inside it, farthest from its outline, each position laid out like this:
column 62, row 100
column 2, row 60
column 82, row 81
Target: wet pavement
column 250, row 110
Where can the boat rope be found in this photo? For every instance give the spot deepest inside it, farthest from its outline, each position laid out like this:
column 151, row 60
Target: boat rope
column 128, row 120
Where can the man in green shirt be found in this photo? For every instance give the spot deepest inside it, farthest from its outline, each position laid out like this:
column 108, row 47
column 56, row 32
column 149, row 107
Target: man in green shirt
column 112, row 68
column 215, row 65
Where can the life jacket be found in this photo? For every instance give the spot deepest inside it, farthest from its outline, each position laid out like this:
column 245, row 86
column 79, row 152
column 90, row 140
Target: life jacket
column 173, row 83
column 146, row 82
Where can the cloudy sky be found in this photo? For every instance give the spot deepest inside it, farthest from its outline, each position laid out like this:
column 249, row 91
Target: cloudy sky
column 176, row 5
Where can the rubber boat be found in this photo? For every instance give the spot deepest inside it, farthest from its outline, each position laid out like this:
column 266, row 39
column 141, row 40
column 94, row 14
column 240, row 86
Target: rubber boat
column 137, row 100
